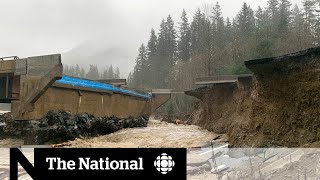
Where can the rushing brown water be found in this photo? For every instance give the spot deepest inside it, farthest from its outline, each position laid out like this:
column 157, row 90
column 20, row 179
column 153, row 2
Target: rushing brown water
column 157, row 134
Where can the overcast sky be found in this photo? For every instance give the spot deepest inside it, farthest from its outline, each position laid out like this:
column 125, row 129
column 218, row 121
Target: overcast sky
column 37, row 27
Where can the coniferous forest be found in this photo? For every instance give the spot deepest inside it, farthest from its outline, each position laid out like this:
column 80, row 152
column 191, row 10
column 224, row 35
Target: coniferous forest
column 92, row 73
column 210, row 44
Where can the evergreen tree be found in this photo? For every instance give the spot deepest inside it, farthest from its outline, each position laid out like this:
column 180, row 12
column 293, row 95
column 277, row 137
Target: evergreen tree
column 297, row 19
column 138, row 74
column 152, row 45
column 93, row 73
column 77, row 71
column 196, row 27
column 202, row 41
column 117, row 73
column 273, row 10
column 152, row 65
column 260, row 20
column 263, row 41
column 105, row 74
column 82, row 73
column 297, row 28
column 110, row 72
column 285, row 17
column 218, row 25
column 184, row 38
column 228, row 31
column 309, row 11
column 273, row 17
column 211, row 45
column 171, row 41
column 200, row 33
column 166, row 51
column 246, row 22
column 160, row 66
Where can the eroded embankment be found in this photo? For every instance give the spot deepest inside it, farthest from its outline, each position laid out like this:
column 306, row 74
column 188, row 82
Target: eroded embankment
column 220, row 104
column 281, row 109
column 61, row 126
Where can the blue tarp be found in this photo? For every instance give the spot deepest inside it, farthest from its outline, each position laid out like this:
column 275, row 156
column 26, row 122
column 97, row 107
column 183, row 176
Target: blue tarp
column 78, row 82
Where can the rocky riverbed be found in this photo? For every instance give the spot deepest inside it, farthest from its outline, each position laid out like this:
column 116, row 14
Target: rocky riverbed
column 61, row 126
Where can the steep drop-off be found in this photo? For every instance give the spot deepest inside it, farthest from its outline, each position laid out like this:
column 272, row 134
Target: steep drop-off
column 220, row 103
column 282, row 107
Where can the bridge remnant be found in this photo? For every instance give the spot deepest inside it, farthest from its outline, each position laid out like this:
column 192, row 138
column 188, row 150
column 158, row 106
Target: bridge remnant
column 33, row 86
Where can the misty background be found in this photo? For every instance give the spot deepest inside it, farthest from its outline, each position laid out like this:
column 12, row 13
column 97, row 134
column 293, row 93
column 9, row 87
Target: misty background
column 93, row 31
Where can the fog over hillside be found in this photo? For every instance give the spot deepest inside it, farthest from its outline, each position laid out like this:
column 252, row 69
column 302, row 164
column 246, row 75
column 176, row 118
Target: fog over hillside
column 92, row 31
column 103, row 54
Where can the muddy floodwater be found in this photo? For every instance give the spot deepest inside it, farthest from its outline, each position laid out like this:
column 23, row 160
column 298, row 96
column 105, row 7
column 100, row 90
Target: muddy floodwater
column 156, row 134
column 9, row 142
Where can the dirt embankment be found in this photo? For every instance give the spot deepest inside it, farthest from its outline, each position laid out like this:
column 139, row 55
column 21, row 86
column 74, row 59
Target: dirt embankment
column 282, row 107
column 220, row 104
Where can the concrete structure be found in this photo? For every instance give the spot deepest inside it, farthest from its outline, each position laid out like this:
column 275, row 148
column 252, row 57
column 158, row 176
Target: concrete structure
column 242, row 81
column 31, row 87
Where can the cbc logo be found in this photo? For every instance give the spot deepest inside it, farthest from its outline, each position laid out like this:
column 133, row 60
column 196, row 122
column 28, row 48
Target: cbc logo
column 164, row 163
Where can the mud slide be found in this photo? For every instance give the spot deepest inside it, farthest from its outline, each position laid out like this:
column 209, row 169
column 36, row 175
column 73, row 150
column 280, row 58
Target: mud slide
column 282, row 107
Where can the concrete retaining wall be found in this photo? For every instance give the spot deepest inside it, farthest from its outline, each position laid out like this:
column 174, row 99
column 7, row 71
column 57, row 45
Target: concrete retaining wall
column 37, row 92
column 75, row 101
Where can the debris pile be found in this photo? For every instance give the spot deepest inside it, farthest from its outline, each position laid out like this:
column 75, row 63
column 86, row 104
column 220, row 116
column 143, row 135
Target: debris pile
column 60, row 126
